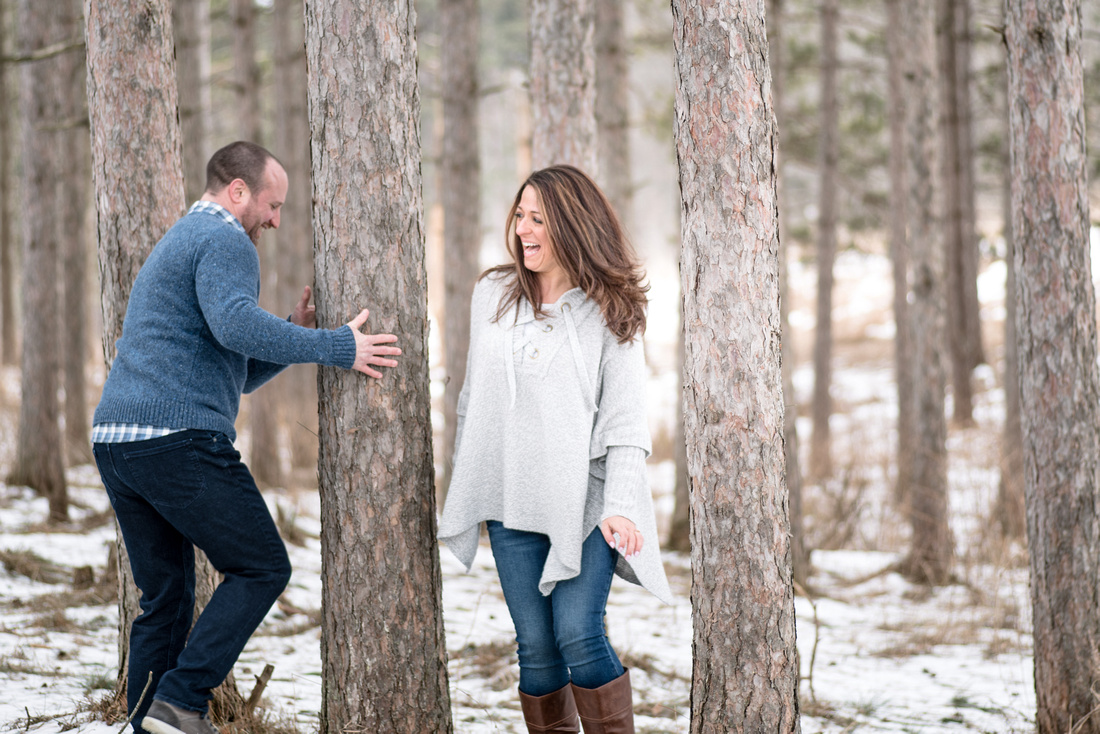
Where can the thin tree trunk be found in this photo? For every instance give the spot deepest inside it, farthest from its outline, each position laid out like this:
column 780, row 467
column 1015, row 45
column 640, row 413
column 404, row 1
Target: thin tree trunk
column 745, row 673
column 383, row 653
column 970, row 258
column 246, row 70
column 460, row 190
column 294, row 238
column 8, row 111
column 191, row 24
column 679, row 526
column 138, row 180
column 75, row 182
column 1056, row 332
column 613, row 106
column 563, row 83
column 904, row 368
column 929, row 559
column 39, row 462
column 821, row 465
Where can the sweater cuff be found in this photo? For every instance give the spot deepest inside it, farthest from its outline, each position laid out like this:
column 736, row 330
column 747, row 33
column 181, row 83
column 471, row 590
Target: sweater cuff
column 343, row 347
column 625, row 473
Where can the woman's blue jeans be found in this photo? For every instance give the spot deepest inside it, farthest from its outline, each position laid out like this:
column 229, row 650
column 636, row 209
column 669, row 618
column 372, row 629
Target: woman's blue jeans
column 169, row 494
column 561, row 637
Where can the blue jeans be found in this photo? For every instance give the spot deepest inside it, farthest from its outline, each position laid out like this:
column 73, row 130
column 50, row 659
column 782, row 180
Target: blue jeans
column 169, row 494
column 561, row 637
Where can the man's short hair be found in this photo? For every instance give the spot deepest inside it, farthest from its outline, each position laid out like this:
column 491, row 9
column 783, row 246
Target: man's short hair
column 242, row 159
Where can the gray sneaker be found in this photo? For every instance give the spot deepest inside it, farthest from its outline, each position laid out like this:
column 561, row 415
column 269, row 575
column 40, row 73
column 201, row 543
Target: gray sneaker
column 164, row 718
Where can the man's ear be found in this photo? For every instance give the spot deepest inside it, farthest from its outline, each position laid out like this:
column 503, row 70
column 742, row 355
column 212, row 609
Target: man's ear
column 238, row 191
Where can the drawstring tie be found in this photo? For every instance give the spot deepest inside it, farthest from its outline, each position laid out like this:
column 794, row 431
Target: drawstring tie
column 574, row 347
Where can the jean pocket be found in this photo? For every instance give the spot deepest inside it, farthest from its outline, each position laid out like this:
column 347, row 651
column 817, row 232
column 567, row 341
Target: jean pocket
column 167, row 475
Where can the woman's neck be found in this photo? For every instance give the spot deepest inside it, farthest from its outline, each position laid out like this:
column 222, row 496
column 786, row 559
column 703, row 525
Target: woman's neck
column 553, row 286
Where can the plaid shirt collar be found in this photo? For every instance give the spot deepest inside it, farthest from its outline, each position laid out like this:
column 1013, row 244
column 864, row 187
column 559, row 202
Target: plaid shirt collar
column 219, row 211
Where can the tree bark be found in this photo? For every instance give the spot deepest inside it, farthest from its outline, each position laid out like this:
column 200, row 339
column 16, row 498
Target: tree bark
column 191, row 25
column 679, row 525
column 745, row 672
column 563, row 83
column 294, row 237
column 382, row 648
column 613, row 107
column 246, row 70
column 1056, row 332
column 904, row 368
column 75, row 176
column 39, row 463
column 930, row 554
column 821, row 464
column 8, row 110
column 460, row 184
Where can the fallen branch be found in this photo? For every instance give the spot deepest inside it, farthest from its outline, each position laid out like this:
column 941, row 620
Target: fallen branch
column 258, row 691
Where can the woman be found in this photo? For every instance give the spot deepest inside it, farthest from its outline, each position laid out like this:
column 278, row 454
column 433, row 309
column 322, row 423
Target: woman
column 551, row 446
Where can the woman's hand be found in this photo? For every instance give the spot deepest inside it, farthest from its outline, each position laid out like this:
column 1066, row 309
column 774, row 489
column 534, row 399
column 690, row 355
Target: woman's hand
column 629, row 540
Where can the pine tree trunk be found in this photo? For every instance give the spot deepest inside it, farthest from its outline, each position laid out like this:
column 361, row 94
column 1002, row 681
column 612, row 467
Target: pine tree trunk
column 821, row 465
column 294, row 238
column 904, row 368
column 460, row 190
column 246, row 70
column 968, row 186
column 929, row 559
column 745, row 673
column 39, row 462
column 679, row 525
column 76, row 178
column 191, row 25
column 613, row 107
column 563, row 83
column 1056, row 332
column 8, row 110
column 382, row 647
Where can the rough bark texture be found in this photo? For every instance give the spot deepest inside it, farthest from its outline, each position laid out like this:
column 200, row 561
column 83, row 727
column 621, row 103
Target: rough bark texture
column 745, row 671
column 563, row 83
column 929, row 559
column 38, row 462
column 382, row 647
column 613, row 106
column 138, row 175
column 7, row 189
column 959, row 226
column 821, row 465
column 294, row 238
column 460, row 182
column 191, row 26
column 1056, row 332
column 75, row 181
column 800, row 554
column 904, row 369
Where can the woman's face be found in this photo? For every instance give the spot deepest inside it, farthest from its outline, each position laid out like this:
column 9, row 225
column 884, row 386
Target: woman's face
column 538, row 251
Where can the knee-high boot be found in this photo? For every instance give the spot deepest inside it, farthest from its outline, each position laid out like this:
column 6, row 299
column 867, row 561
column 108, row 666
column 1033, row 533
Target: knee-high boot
column 608, row 709
column 554, row 712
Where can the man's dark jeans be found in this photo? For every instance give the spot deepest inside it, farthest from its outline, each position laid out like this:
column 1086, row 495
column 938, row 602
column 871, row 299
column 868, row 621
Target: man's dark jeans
column 169, row 494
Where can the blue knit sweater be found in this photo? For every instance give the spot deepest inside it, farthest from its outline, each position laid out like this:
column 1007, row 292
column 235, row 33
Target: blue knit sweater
column 194, row 337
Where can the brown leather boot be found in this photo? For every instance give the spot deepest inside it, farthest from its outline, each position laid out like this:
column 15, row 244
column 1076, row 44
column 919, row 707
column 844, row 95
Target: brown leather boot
column 608, row 709
column 554, row 712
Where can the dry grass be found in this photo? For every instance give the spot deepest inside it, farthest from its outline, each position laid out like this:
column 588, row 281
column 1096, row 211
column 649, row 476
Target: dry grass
column 33, row 566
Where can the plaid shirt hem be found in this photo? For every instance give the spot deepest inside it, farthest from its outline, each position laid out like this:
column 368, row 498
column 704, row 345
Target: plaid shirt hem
column 127, row 432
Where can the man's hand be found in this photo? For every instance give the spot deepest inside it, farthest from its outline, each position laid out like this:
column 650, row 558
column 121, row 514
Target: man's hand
column 305, row 314
column 368, row 347
column 629, row 540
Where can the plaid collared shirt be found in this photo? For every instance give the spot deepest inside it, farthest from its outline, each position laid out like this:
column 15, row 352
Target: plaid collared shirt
column 127, row 432
column 210, row 207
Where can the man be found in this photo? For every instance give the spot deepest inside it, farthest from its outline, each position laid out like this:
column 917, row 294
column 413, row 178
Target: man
column 193, row 340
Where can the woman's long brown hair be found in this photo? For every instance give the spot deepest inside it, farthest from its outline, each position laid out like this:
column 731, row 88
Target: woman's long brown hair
column 590, row 245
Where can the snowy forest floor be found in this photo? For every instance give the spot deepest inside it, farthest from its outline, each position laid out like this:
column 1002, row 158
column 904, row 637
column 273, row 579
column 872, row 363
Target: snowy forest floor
column 877, row 653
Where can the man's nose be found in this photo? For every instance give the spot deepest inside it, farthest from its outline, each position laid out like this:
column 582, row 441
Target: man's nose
column 275, row 219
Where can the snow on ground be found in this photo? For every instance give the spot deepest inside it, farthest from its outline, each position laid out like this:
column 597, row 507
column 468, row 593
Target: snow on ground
column 877, row 653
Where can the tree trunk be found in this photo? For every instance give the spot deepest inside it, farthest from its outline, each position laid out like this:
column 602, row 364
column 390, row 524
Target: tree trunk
column 382, row 647
column 191, row 24
column 745, row 672
column 75, row 182
column 563, row 83
column 246, row 71
column 970, row 253
column 8, row 110
column 613, row 107
column 800, row 554
column 679, row 526
column 460, row 190
column 929, row 559
column 1056, row 332
column 38, row 462
column 294, row 237
column 821, row 465
column 904, row 368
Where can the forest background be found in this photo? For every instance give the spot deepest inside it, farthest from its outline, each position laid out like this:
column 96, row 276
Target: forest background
column 241, row 98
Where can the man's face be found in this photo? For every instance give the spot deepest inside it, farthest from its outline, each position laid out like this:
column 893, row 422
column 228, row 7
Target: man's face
column 263, row 207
